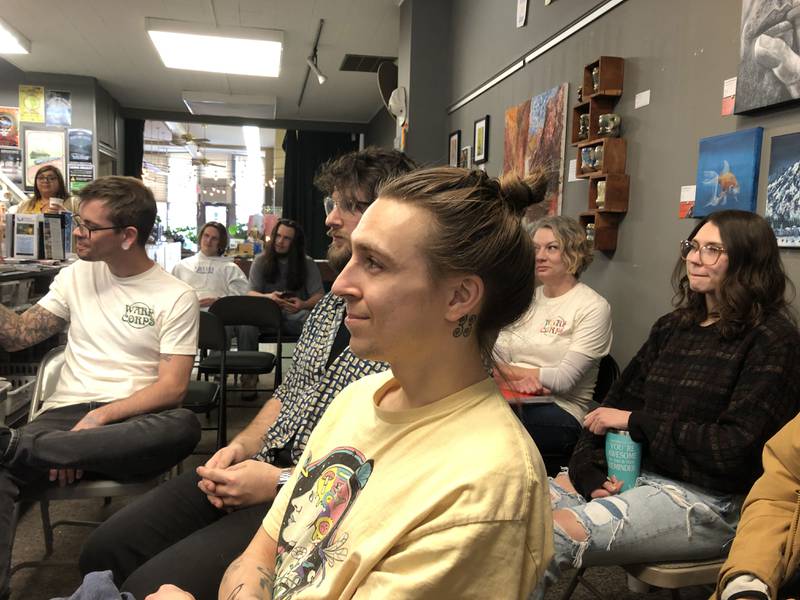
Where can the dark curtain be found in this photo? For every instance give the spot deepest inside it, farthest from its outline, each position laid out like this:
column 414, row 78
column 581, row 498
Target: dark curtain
column 306, row 151
column 134, row 147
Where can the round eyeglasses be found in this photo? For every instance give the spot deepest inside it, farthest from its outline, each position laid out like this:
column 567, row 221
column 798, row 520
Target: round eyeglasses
column 709, row 253
column 350, row 207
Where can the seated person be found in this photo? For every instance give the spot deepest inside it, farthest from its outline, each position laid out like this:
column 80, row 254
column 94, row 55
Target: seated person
column 50, row 193
column 284, row 274
column 164, row 536
column 210, row 274
column 714, row 381
column 555, row 349
column 131, row 343
column 435, row 274
column 764, row 555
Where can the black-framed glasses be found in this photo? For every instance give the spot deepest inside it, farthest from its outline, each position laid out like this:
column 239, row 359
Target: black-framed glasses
column 49, row 178
column 351, row 207
column 86, row 230
column 709, row 253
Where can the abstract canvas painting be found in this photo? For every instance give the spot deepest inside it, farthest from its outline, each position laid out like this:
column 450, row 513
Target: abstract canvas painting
column 535, row 136
column 783, row 189
column 727, row 172
column 769, row 55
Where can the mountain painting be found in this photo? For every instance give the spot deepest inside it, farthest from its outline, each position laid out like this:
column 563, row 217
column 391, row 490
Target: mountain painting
column 783, row 189
column 727, row 172
column 535, row 137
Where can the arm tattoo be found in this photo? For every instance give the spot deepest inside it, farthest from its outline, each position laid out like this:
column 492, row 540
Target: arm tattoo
column 267, row 580
column 165, row 357
column 29, row 328
column 235, row 592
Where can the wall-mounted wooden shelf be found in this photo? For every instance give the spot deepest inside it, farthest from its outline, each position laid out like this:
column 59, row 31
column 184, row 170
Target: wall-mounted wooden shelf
column 594, row 107
column 614, row 157
column 612, row 74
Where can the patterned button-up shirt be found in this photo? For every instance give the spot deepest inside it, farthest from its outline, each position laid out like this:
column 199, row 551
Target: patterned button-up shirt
column 309, row 387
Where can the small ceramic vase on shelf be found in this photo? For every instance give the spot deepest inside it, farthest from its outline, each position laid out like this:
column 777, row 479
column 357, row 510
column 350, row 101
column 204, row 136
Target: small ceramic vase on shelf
column 600, row 201
column 608, row 125
column 583, row 127
column 596, row 79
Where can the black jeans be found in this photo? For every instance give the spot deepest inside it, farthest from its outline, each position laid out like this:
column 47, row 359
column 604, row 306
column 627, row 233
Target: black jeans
column 138, row 447
column 172, row 534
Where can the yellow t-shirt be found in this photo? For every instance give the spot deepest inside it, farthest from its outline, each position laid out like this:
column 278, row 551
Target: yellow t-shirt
column 445, row 501
column 37, row 206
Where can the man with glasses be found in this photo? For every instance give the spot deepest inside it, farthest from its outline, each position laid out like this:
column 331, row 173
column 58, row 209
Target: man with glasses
column 131, row 340
column 190, row 529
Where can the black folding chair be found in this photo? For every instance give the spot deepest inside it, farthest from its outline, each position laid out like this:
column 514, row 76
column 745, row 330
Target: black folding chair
column 246, row 310
column 204, row 396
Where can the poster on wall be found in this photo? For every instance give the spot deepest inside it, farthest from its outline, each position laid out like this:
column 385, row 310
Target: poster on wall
column 80, row 174
column 11, row 164
column 535, row 137
column 80, row 145
column 783, row 201
column 58, row 108
column 9, row 126
column 31, row 103
column 727, row 172
column 43, row 147
column 769, row 55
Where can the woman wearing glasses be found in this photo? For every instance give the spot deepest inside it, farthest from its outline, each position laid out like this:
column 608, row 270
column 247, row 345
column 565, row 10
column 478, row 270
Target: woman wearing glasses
column 555, row 349
column 714, row 381
column 49, row 193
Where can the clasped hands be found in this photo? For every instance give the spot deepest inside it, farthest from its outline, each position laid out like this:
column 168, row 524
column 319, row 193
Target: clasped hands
column 231, row 480
column 64, row 477
column 289, row 305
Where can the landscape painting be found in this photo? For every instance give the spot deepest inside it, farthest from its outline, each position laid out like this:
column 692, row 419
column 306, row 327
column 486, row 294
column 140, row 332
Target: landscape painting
column 535, row 136
column 783, row 183
column 727, row 172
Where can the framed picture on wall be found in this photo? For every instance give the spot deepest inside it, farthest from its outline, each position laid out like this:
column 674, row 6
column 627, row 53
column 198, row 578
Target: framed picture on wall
column 465, row 159
column 781, row 161
column 44, row 147
column 769, row 67
column 727, row 172
column 481, row 140
column 453, row 148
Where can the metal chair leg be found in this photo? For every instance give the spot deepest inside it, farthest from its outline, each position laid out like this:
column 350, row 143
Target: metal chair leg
column 47, row 527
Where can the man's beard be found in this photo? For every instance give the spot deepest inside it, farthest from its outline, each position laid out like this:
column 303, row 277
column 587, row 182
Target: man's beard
column 338, row 257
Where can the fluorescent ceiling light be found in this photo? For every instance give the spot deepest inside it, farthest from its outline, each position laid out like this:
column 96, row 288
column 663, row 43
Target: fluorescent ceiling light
column 231, row 50
column 252, row 140
column 11, row 41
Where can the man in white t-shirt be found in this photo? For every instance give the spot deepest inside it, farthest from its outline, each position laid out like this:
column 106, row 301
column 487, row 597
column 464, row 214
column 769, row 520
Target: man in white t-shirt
column 209, row 273
column 131, row 341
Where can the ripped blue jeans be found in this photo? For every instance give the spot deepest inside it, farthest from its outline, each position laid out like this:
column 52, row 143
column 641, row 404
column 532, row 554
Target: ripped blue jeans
column 660, row 519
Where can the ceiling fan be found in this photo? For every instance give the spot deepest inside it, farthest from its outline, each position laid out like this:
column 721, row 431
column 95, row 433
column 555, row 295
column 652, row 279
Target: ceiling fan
column 202, row 161
column 187, row 138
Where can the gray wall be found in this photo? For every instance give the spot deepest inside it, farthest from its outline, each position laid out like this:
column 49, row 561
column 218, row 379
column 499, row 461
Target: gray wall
column 381, row 130
column 681, row 50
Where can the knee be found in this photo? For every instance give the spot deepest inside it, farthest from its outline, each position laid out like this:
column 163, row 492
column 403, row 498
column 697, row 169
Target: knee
column 569, row 523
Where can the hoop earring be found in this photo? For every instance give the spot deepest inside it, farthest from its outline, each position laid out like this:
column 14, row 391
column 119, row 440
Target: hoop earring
column 464, row 327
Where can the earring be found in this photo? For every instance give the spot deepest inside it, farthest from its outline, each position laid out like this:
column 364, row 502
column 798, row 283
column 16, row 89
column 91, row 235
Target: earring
column 464, row 327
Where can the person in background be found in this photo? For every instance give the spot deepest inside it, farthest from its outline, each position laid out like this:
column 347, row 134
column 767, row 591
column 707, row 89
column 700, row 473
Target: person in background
column 165, row 536
column 284, row 274
column 555, row 349
column 49, row 193
column 439, row 266
column 764, row 561
column 210, row 274
column 714, row 381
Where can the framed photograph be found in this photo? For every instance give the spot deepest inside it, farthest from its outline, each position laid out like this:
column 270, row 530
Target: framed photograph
column 481, row 140
column 453, row 147
column 768, row 49
column 44, row 147
column 465, row 158
column 727, row 172
column 781, row 162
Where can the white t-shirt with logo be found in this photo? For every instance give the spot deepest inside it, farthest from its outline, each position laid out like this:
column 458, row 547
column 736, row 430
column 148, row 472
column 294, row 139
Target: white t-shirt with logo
column 118, row 327
column 212, row 276
column 578, row 321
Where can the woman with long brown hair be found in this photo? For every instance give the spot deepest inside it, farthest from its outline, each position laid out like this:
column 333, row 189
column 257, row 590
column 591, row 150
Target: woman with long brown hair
column 49, row 193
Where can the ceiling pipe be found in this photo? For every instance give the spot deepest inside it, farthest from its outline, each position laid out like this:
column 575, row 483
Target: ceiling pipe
column 310, row 63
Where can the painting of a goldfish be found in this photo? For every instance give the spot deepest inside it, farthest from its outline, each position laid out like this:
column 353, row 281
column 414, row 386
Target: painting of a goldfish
column 727, row 172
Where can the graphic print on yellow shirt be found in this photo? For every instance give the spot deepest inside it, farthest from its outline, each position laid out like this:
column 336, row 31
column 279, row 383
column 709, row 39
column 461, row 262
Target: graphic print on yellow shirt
column 309, row 540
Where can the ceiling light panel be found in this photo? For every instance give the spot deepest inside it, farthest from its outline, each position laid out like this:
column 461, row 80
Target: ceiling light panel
column 230, row 50
column 11, row 41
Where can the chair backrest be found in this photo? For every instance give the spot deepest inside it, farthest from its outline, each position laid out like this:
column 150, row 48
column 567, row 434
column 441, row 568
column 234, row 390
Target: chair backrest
column 607, row 374
column 46, row 379
column 248, row 310
column 212, row 333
